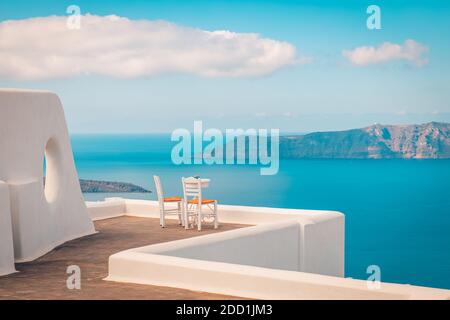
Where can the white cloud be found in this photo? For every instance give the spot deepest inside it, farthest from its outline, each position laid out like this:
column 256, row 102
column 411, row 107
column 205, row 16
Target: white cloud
column 411, row 51
column 43, row 48
column 288, row 114
column 261, row 114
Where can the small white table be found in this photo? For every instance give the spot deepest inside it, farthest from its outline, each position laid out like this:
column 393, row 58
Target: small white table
column 204, row 182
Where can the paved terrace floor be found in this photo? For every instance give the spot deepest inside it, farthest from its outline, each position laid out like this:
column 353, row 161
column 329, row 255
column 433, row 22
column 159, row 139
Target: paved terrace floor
column 45, row 278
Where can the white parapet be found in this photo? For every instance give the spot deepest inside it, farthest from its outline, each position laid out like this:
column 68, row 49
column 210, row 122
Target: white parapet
column 33, row 127
column 110, row 208
column 163, row 269
column 286, row 254
column 322, row 233
column 6, row 238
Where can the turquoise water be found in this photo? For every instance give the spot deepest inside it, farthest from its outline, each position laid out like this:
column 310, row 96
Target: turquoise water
column 397, row 211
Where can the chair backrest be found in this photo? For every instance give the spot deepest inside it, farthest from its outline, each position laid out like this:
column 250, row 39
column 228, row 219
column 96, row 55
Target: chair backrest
column 159, row 189
column 192, row 188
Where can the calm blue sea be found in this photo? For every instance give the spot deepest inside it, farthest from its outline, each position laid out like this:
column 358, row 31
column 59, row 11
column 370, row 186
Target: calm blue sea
column 397, row 211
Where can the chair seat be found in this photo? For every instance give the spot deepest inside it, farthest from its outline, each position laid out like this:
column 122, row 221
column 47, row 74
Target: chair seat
column 204, row 201
column 172, row 199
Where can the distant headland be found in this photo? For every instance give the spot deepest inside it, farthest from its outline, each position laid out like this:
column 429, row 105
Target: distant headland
column 97, row 186
column 91, row 186
column 424, row 141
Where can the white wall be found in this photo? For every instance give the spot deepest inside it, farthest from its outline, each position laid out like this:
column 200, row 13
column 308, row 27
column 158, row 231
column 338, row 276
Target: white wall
column 111, row 208
column 253, row 282
column 258, row 261
column 322, row 233
column 6, row 239
column 32, row 124
column 275, row 246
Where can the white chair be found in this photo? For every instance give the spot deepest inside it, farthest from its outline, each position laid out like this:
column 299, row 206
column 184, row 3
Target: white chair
column 194, row 202
column 163, row 202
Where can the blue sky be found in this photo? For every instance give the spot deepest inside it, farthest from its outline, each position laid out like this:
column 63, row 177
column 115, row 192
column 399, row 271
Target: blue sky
column 327, row 93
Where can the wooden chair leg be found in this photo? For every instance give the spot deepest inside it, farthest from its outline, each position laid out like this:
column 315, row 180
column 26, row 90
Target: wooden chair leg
column 199, row 218
column 186, row 216
column 182, row 213
column 161, row 217
column 216, row 218
column 163, row 220
column 180, row 217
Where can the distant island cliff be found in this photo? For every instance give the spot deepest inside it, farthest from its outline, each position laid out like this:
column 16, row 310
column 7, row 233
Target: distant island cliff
column 425, row 141
column 93, row 186
column 89, row 186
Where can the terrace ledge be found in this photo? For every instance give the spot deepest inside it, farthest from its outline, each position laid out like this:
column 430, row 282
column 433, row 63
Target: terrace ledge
column 299, row 254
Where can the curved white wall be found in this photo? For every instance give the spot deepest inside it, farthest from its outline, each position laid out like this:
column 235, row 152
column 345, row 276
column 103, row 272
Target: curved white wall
column 288, row 254
column 322, row 233
column 6, row 239
column 275, row 246
column 32, row 125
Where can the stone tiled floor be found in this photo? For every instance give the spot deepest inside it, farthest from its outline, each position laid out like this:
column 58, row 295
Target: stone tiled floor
column 45, row 278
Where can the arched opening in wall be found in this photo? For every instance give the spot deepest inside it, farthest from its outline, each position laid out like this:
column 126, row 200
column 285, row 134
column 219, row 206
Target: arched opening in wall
column 51, row 171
